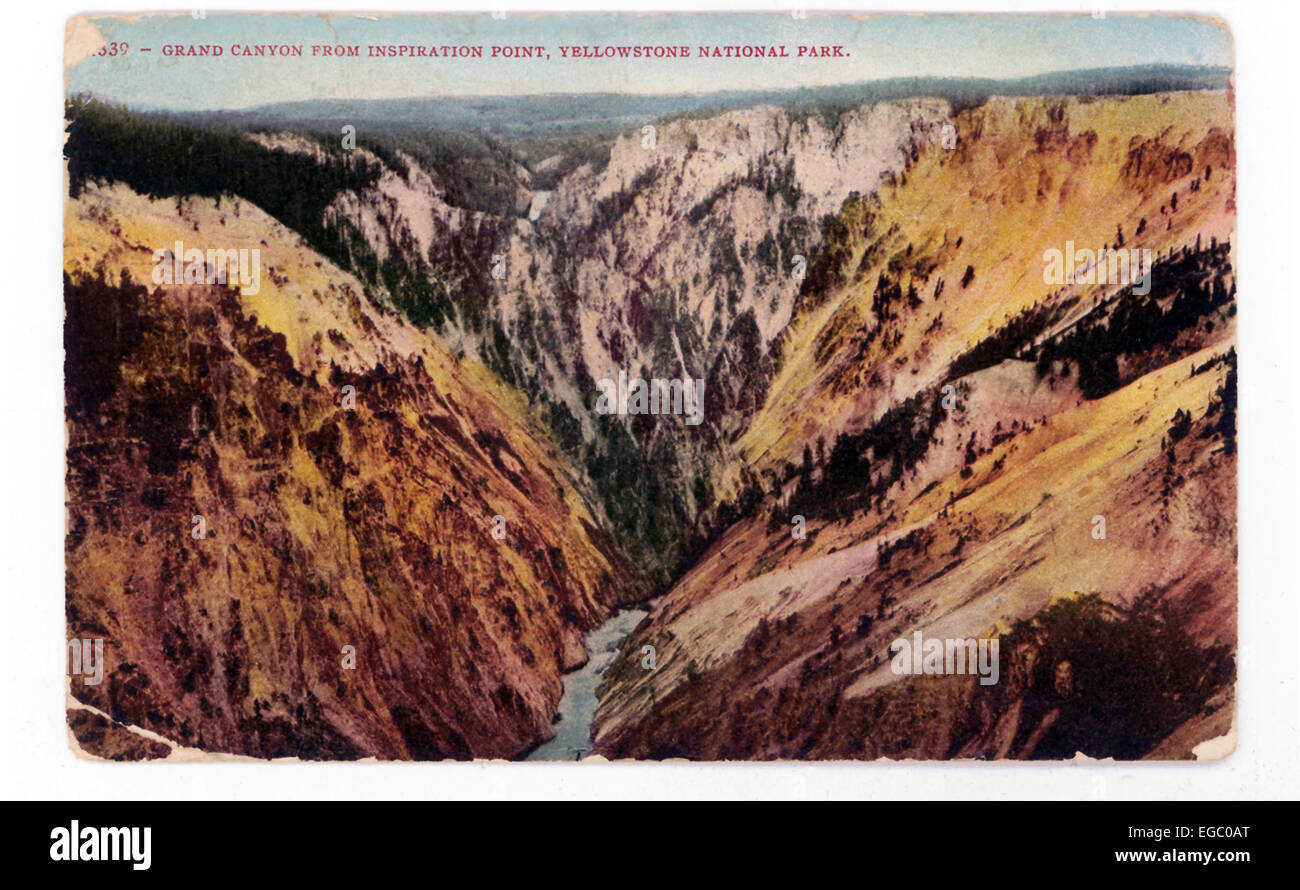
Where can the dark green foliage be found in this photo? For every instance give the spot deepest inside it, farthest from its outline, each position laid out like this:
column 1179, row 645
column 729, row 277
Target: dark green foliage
column 861, row 467
column 159, row 157
column 1224, row 405
column 637, row 479
column 1098, row 374
column 701, row 491
column 827, row 267
column 476, row 170
column 1120, row 678
column 1185, row 288
column 1180, row 426
column 162, row 159
column 496, row 353
column 1009, row 339
column 415, row 294
column 567, row 430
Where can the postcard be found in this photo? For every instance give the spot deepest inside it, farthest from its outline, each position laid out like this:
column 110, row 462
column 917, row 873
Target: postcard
column 712, row 387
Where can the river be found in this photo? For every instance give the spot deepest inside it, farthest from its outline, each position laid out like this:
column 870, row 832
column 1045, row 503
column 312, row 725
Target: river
column 578, row 704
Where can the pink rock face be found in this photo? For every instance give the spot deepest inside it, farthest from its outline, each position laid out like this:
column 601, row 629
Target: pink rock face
column 372, row 507
column 280, row 570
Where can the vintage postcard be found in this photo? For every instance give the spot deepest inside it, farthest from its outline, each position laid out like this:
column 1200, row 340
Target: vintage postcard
column 598, row 387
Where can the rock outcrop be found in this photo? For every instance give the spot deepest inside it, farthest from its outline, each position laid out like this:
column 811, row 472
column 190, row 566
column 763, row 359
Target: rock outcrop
column 300, row 526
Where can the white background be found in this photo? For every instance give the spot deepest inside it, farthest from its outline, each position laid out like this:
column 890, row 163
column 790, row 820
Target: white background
column 35, row 761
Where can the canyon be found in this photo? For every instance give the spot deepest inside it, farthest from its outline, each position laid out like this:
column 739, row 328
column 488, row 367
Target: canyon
column 906, row 431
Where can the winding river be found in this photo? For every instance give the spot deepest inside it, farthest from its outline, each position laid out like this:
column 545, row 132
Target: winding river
column 578, row 705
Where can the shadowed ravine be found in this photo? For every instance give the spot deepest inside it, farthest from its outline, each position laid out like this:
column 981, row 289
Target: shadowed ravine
column 578, row 706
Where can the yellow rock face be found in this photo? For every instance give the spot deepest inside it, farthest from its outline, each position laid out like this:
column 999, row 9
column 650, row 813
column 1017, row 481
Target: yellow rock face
column 257, row 482
column 774, row 645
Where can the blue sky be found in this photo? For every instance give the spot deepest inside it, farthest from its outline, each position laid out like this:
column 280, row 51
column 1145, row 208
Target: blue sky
column 878, row 46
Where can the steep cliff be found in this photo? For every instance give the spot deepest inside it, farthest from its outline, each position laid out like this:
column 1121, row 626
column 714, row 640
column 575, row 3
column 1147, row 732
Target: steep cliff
column 954, row 446
column 257, row 481
column 908, row 426
column 682, row 257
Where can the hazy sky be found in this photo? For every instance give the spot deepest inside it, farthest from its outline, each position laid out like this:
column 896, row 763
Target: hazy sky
column 878, row 47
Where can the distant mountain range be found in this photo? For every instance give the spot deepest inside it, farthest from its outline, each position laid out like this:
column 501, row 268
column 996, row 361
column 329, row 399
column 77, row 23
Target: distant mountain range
column 566, row 113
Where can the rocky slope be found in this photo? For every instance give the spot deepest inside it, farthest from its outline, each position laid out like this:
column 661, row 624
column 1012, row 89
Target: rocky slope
column 907, row 427
column 973, row 511
column 683, row 257
column 347, row 472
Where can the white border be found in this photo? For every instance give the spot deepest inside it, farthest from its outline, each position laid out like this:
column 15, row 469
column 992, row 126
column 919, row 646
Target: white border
column 35, row 761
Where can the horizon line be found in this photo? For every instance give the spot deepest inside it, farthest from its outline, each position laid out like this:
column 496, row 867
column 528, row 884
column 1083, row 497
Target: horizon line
column 1222, row 69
